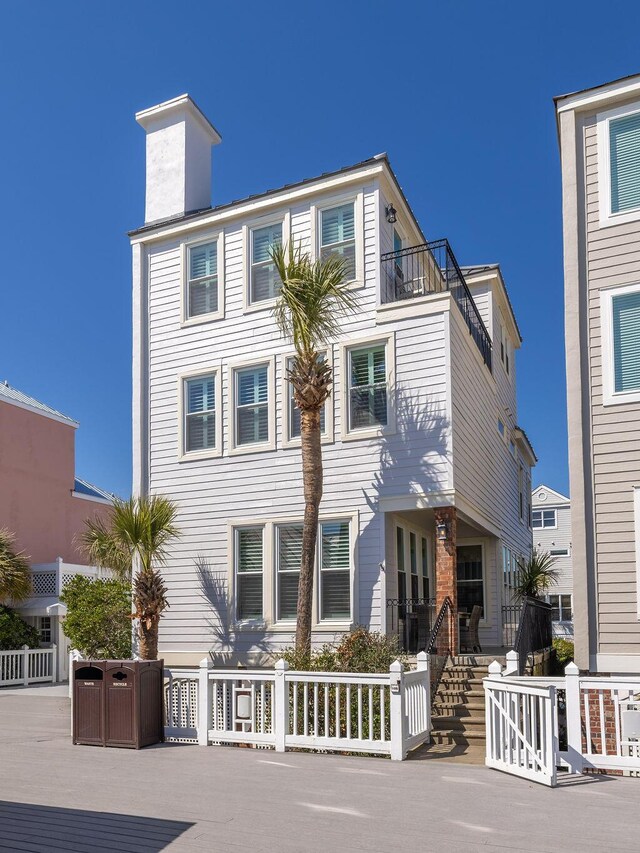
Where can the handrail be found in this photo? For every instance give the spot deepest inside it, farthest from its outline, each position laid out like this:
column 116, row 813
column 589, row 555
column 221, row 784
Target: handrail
column 447, row 604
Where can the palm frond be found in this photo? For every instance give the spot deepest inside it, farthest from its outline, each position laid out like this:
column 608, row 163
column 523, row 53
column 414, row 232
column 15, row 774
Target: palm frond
column 15, row 571
column 536, row 576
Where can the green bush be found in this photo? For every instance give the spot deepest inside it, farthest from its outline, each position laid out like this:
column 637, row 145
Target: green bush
column 564, row 651
column 15, row 632
column 360, row 650
column 98, row 620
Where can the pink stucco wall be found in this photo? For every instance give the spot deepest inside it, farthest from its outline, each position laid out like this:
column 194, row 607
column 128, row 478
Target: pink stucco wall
column 37, row 468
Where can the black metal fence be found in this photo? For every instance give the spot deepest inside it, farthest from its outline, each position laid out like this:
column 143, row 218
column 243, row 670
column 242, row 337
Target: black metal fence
column 534, row 631
column 432, row 268
column 411, row 619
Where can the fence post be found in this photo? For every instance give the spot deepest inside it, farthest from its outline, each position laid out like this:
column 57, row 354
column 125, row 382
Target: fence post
column 25, row 664
column 54, row 663
column 281, row 710
column 513, row 661
column 574, row 724
column 205, row 710
column 422, row 665
column 396, row 710
column 495, row 671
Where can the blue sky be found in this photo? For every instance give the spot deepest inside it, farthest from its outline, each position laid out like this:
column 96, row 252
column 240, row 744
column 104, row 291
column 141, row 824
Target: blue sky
column 458, row 93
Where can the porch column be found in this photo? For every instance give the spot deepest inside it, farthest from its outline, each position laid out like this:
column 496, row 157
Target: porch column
column 446, row 571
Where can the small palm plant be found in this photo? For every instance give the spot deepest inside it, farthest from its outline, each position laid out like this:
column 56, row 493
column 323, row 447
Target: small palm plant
column 536, row 576
column 15, row 572
column 134, row 541
column 314, row 297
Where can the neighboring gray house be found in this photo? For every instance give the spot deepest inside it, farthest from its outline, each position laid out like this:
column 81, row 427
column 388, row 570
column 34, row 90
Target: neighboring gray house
column 599, row 132
column 551, row 525
column 427, row 473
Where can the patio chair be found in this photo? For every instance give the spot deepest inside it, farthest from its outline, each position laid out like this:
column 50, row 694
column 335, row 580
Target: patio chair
column 469, row 634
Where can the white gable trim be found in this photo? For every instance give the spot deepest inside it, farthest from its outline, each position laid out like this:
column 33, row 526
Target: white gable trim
column 555, row 497
column 62, row 419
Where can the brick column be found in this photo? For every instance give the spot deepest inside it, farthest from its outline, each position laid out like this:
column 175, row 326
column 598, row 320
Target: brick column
column 445, row 570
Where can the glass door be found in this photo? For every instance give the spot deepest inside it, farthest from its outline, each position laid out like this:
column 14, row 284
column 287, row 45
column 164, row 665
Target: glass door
column 470, row 578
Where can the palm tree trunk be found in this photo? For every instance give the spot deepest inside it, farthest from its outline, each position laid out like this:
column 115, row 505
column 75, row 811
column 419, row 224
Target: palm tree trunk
column 148, row 641
column 312, row 482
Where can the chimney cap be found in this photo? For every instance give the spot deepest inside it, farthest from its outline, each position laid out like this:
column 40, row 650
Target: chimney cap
column 183, row 103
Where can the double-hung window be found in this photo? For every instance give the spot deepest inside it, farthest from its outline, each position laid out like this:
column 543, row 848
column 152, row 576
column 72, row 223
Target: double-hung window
column 294, row 411
column 264, row 279
column 249, row 569
column 618, row 136
column 368, row 387
column 335, row 570
column 252, row 405
column 288, row 559
column 338, row 236
column 542, row 518
column 620, row 318
column 562, row 609
column 199, row 413
column 202, row 284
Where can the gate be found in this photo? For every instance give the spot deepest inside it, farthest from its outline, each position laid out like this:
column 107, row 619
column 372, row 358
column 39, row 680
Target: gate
column 521, row 729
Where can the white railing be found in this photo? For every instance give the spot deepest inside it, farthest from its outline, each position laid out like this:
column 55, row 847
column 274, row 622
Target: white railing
column 27, row 666
column 49, row 579
column 385, row 713
column 595, row 722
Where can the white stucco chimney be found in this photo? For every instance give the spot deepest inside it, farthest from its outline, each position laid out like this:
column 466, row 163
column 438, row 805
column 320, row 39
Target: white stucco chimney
column 179, row 142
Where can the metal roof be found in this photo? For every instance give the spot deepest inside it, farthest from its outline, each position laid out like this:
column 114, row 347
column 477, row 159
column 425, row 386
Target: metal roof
column 82, row 487
column 19, row 398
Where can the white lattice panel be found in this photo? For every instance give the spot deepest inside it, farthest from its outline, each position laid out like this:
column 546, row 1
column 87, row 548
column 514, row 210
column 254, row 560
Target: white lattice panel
column 44, row 583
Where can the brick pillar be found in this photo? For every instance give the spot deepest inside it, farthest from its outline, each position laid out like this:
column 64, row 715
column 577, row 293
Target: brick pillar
column 445, row 570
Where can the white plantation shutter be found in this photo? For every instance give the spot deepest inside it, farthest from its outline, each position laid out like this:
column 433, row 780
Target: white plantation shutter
column 338, row 235
column 624, row 140
column 289, row 559
column 368, row 387
column 200, row 433
column 252, row 405
column 203, row 279
column 249, row 569
column 335, row 570
column 626, row 341
column 265, row 281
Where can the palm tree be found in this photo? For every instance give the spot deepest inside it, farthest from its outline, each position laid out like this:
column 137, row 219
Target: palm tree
column 15, row 572
column 313, row 298
column 134, row 541
column 536, row 576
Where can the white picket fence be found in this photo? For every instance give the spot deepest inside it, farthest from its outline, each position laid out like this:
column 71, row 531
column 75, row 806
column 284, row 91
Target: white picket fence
column 536, row 725
column 386, row 713
column 27, row 666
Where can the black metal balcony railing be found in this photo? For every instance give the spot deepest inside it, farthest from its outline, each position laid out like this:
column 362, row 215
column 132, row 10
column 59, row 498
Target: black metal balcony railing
column 411, row 619
column 432, row 268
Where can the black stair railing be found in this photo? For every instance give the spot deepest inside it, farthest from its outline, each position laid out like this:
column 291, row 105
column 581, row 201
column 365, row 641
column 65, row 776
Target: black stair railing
column 440, row 641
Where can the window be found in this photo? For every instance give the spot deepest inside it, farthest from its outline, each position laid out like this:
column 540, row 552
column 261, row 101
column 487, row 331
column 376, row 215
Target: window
column 249, row 572
column 252, row 405
column 413, row 561
column 544, row 518
column 43, row 627
column 265, row 281
column 367, row 387
column 521, row 481
column 402, row 576
column 424, row 564
column 562, row 609
column 624, row 162
column 338, row 236
column 501, row 427
column 294, row 411
column 335, row 570
column 620, row 318
column 202, row 284
column 470, row 580
column 288, row 559
column 559, row 552
column 200, row 414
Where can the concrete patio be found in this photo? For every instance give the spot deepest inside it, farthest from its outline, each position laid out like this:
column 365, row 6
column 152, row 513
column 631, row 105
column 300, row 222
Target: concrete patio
column 54, row 796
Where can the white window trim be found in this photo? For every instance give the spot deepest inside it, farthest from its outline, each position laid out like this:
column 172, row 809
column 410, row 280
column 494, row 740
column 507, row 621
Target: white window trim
column 269, row 589
column 328, row 436
column 636, row 529
column 233, row 367
column 420, row 533
column 605, row 216
column 214, row 370
column 358, row 223
column 485, row 622
column 543, row 510
column 283, row 217
column 611, row 397
column 187, row 321
column 390, row 355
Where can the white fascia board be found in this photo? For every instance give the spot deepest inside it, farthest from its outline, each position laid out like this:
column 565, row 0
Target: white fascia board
column 599, row 96
column 495, row 276
column 59, row 418
column 559, row 498
column 254, row 208
column 93, row 498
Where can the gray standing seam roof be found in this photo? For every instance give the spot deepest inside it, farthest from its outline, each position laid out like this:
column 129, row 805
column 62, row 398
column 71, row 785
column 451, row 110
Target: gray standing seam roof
column 10, row 394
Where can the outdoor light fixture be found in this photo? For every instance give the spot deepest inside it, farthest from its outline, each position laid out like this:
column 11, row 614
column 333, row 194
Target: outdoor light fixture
column 390, row 212
column 441, row 530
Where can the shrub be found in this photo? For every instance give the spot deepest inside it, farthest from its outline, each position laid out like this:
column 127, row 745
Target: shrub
column 564, row 651
column 15, row 632
column 360, row 650
column 98, row 620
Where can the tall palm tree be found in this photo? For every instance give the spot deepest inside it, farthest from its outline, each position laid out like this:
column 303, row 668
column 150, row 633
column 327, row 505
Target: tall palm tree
column 15, row 572
column 133, row 541
column 313, row 298
column 536, row 576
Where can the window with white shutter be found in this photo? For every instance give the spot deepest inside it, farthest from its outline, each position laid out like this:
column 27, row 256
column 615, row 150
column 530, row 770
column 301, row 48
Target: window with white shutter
column 624, row 153
column 249, row 552
column 367, row 387
column 338, row 236
column 626, row 341
column 199, row 413
column 265, row 281
column 202, row 285
column 335, row 570
column 288, row 559
column 252, row 405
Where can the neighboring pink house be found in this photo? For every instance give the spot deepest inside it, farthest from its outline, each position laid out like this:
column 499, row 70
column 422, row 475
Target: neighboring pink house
column 43, row 502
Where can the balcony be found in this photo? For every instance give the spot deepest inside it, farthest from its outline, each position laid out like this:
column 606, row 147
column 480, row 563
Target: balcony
column 432, row 268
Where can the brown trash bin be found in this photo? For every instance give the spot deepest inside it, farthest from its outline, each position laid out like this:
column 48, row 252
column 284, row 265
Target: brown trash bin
column 130, row 707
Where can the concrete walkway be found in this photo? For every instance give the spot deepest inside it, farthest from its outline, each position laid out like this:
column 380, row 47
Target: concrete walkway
column 55, row 797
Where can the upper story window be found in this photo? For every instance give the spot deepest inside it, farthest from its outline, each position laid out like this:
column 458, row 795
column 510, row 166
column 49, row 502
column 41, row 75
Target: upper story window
column 200, row 413
column 252, row 405
column 501, row 427
column 338, row 235
column 335, row 570
column 264, row 279
column 619, row 165
column 202, row 285
column 249, row 569
column 367, row 387
column 544, row 518
column 620, row 310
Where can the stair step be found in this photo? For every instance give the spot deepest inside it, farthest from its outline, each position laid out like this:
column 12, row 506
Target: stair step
column 459, row 709
column 452, row 722
column 455, row 736
column 472, row 695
